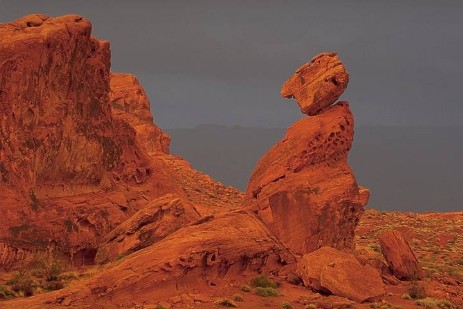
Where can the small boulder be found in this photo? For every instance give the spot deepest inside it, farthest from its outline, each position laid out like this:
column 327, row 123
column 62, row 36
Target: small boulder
column 399, row 256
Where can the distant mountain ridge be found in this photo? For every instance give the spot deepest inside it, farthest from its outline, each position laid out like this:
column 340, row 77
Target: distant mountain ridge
column 406, row 168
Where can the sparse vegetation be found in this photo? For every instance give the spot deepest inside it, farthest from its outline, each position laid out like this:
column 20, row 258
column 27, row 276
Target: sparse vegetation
column 286, row 306
column 310, row 306
column 226, row 303
column 433, row 303
column 160, row 307
column 5, row 292
column 237, row 297
column 263, row 282
column 246, row 288
column 416, row 290
column 385, row 305
column 266, row 292
column 22, row 283
column 407, row 297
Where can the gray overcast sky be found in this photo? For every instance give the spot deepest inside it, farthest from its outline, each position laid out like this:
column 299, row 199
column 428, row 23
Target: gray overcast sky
column 223, row 62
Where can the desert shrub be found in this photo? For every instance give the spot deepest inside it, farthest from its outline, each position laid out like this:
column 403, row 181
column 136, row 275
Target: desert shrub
column 263, row 282
column 310, row 306
column 246, row 288
column 22, row 283
column 406, row 296
column 416, row 290
column 160, row 307
column 433, row 303
column 53, row 285
column 286, row 306
column 47, row 266
column 266, row 292
column 5, row 293
column 69, row 275
column 385, row 305
column 226, row 303
column 237, row 297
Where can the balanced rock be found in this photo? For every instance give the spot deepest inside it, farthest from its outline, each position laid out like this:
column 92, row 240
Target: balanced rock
column 303, row 187
column 331, row 271
column 317, row 84
column 399, row 256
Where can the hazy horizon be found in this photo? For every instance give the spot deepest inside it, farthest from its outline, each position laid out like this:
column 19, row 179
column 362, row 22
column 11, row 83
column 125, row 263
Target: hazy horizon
column 406, row 168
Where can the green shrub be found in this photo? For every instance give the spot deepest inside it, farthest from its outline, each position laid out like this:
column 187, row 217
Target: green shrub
column 246, row 288
column 237, row 297
column 266, row 292
column 286, row 306
column 5, row 293
column 416, row 290
column 263, row 282
column 53, row 285
column 226, row 303
column 433, row 303
column 22, row 283
column 47, row 266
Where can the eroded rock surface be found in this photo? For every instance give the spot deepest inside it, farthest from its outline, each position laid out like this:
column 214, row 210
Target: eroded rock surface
column 303, row 187
column 130, row 103
column 79, row 153
column 160, row 218
column 206, row 250
column 399, row 256
column 317, row 84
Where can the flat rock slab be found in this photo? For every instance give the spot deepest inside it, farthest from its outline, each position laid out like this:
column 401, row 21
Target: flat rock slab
column 399, row 256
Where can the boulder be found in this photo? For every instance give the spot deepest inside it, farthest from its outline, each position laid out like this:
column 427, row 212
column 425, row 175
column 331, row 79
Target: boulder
column 399, row 256
column 331, row 271
column 317, row 84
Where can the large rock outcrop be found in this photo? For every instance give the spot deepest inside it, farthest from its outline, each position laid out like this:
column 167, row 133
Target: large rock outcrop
column 303, row 187
column 205, row 251
column 79, row 153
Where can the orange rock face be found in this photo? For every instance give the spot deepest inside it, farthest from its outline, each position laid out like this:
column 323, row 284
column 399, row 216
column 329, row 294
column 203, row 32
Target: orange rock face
column 79, row 153
column 317, row 84
column 400, row 256
column 303, row 188
column 130, row 103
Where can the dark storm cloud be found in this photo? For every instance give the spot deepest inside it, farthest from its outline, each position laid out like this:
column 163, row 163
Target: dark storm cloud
column 224, row 61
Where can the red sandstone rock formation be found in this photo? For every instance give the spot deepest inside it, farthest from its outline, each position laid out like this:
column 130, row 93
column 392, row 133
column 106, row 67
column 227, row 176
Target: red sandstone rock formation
column 400, row 256
column 130, row 103
column 204, row 251
column 303, row 187
column 317, row 84
column 79, row 153
column 339, row 273
column 159, row 219
column 95, row 178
